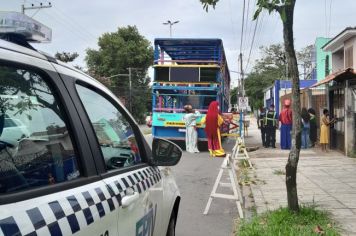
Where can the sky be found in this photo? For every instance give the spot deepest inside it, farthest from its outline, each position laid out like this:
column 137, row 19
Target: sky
column 77, row 24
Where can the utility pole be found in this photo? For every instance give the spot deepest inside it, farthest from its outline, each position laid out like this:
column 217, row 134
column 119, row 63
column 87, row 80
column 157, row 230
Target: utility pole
column 33, row 7
column 129, row 75
column 130, row 88
column 242, row 93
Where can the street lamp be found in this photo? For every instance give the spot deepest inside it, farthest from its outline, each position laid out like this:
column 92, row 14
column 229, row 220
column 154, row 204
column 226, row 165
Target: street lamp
column 170, row 23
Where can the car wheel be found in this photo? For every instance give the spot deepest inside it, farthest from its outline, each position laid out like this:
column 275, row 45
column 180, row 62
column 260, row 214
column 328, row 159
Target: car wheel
column 171, row 231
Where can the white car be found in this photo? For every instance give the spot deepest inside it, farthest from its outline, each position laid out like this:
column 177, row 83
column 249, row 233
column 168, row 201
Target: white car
column 86, row 169
column 14, row 130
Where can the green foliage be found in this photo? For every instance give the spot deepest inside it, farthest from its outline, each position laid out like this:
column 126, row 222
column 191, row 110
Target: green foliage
column 270, row 67
column 273, row 61
column 117, row 52
column 207, row 3
column 272, row 5
column 304, row 56
column 27, row 84
column 233, row 96
column 66, row 56
column 285, row 222
column 255, row 83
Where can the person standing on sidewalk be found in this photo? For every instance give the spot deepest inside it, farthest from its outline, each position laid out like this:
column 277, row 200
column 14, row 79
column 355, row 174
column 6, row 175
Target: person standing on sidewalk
column 305, row 127
column 313, row 127
column 213, row 120
column 261, row 124
column 271, row 123
column 191, row 134
column 286, row 125
column 324, row 129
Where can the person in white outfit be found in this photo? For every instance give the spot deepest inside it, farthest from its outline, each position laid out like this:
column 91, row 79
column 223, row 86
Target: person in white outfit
column 191, row 134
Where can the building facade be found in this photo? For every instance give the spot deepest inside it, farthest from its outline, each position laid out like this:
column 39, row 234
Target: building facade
column 341, row 87
column 321, row 59
column 280, row 90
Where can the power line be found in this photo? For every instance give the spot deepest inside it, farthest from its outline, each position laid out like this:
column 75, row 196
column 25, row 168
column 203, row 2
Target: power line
column 69, row 21
column 232, row 22
column 246, row 25
column 326, row 20
column 258, row 31
column 250, row 28
column 73, row 23
column 73, row 31
column 242, row 25
column 330, row 18
column 68, row 26
column 252, row 42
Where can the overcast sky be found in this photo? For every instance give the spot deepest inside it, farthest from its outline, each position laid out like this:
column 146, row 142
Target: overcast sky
column 77, row 24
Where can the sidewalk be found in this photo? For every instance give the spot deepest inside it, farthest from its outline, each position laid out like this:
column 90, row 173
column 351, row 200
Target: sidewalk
column 328, row 180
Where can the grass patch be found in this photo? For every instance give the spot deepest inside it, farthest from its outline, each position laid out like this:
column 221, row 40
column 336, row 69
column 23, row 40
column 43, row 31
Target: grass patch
column 285, row 223
column 244, row 177
column 243, row 163
column 352, row 154
column 279, row 172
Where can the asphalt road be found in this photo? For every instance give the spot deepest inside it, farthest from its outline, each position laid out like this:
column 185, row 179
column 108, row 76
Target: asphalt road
column 195, row 175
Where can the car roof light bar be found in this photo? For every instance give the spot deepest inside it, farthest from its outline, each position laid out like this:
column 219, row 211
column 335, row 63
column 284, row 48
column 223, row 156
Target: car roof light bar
column 15, row 23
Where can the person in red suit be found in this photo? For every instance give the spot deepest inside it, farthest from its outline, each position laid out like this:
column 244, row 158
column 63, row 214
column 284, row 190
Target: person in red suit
column 286, row 125
column 213, row 120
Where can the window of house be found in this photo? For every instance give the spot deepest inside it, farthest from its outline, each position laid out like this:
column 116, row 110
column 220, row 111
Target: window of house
column 349, row 57
column 35, row 145
column 114, row 133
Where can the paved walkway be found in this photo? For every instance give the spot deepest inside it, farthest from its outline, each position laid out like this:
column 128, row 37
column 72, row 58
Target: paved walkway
column 328, row 180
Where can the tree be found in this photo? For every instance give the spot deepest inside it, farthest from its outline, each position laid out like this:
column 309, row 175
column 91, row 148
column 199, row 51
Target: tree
column 66, row 56
column 233, row 95
column 285, row 8
column 270, row 67
column 255, row 83
column 305, row 58
column 27, row 85
column 273, row 62
column 117, row 52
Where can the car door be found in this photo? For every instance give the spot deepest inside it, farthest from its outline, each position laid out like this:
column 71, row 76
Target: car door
column 49, row 184
column 137, row 186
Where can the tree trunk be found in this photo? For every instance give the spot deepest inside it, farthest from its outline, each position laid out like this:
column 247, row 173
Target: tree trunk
column 293, row 158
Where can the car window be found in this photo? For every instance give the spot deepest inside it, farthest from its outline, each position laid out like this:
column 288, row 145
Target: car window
column 114, row 133
column 9, row 123
column 35, row 145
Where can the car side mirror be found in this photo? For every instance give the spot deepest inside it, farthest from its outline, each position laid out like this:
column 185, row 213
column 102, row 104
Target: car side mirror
column 165, row 153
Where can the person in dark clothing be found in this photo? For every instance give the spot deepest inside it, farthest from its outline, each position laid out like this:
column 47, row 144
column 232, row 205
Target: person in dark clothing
column 271, row 123
column 313, row 127
column 261, row 124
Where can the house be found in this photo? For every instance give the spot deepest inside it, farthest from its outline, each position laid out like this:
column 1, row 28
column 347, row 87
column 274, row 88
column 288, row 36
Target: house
column 281, row 90
column 341, row 90
column 321, row 60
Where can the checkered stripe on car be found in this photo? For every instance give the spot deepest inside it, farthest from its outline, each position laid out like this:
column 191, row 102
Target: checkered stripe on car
column 71, row 214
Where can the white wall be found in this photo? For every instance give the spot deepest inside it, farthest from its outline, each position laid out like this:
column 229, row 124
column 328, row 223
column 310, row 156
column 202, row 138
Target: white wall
column 338, row 61
column 351, row 42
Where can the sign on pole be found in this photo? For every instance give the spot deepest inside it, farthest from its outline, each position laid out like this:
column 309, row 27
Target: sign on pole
column 243, row 103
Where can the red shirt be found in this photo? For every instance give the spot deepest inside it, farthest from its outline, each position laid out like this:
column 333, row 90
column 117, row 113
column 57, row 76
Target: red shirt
column 286, row 116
